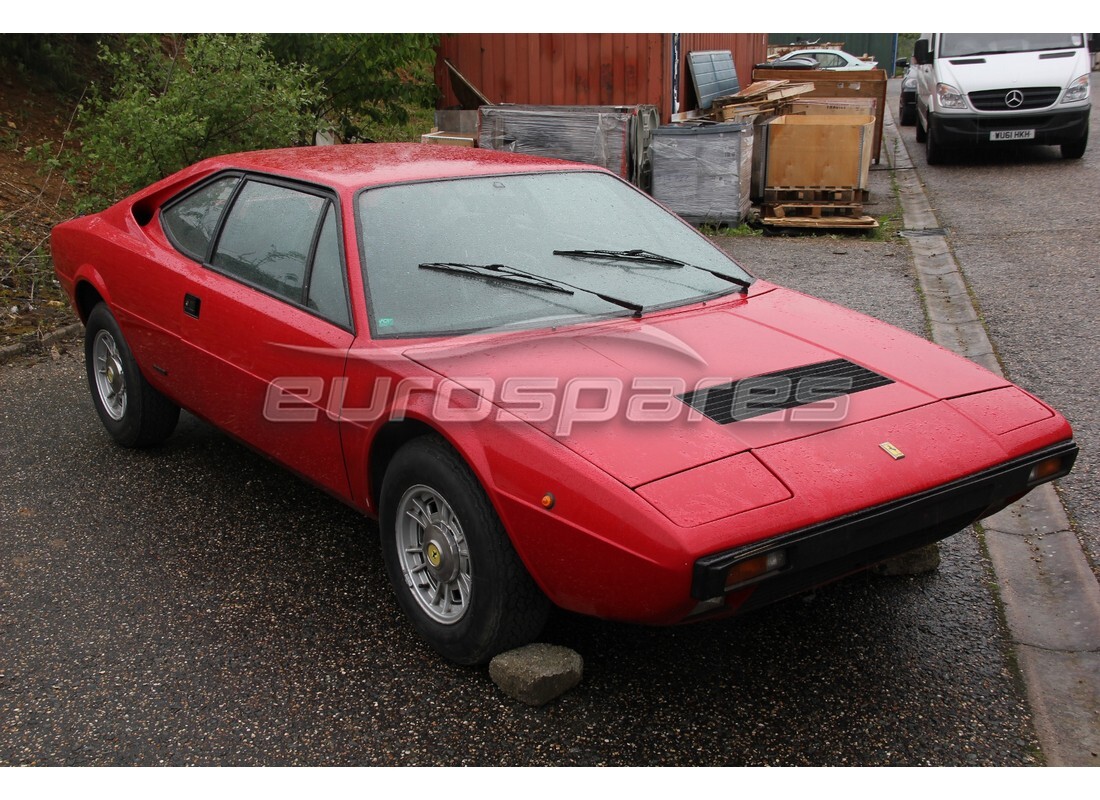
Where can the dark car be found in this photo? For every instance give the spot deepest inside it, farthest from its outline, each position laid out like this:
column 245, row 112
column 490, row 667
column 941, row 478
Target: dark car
column 907, row 107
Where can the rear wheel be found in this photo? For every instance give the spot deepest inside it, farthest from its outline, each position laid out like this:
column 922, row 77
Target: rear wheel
column 906, row 113
column 922, row 132
column 1073, row 150
column 132, row 411
column 454, row 570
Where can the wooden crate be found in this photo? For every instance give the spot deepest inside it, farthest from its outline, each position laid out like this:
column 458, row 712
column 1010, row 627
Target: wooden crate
column 832, row 105
column 818, row 151
column 869, row 83
column 451, row 138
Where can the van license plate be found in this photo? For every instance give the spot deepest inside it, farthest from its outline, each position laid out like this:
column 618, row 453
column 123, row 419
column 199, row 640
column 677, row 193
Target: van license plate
column 1011, row 136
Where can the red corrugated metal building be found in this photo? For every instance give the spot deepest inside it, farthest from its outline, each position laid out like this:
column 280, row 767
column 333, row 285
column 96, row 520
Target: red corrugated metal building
column 588, row 68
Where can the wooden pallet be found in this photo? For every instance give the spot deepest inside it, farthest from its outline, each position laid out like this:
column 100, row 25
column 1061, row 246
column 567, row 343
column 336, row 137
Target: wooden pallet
column 814, row 194
column 809, row 214
column 830, row 223
column 824, row 222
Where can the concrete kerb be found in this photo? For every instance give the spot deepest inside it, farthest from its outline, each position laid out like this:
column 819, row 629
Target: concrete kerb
column 45, row 342
column 1050, row 595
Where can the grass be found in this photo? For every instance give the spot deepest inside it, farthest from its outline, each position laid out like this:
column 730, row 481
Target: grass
column 890, row 224
column 744, row 229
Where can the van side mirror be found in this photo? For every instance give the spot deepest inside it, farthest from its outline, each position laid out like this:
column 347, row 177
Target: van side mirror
column 922, row 54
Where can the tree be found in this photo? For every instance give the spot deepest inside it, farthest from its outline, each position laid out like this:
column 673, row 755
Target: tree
column 177, row 100
column 368, row 77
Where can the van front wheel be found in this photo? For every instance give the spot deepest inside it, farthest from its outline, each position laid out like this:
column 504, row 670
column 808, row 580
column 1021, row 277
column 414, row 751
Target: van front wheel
column 933, row 148
column 1075, row 149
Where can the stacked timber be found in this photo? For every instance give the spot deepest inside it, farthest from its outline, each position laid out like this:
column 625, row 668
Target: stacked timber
column 758, row 98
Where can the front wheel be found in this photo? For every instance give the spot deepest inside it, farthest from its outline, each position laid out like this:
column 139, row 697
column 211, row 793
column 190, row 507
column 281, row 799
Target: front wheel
column 933, row 149
column 1074, row 150
column 132, row 411
column 454, row 570
column 922, row 132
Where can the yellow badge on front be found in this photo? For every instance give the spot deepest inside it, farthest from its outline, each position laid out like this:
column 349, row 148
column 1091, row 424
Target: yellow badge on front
column 893, row 452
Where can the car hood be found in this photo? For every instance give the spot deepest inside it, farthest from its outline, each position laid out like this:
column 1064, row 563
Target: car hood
column 620, row 394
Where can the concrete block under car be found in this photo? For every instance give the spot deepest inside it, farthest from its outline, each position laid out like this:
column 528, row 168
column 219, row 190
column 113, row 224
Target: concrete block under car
column 537, row 673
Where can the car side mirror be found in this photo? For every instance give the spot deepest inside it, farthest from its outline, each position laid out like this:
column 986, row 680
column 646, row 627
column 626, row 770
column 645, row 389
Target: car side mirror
column 901, row 63
column 922, row 53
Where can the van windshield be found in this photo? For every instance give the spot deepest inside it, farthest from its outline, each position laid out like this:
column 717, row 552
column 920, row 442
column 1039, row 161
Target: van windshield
column 977, row 44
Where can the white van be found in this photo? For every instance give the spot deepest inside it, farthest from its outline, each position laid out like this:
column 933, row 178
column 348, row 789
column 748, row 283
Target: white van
column 974, row 88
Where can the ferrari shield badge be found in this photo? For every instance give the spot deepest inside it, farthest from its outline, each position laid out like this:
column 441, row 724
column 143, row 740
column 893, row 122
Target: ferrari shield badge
column 892, row 451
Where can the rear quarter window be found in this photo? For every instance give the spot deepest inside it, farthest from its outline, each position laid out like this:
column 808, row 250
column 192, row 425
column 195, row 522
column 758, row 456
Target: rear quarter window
column 192, row 221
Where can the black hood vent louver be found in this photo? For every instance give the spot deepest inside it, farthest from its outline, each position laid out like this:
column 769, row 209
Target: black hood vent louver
column 776, row 391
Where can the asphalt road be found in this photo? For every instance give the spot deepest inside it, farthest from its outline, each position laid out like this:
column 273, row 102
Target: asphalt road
column 1023, row 226
column 198, row 605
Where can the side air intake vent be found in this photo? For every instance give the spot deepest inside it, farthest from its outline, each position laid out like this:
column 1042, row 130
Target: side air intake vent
column 788, row 388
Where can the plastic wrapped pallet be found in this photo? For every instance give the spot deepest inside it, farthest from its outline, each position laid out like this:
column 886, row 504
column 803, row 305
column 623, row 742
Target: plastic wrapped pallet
column 703, row 172
column 613, row 137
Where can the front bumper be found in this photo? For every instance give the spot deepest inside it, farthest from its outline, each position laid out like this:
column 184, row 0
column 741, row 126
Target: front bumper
column 1051, row 127
column 830, row 550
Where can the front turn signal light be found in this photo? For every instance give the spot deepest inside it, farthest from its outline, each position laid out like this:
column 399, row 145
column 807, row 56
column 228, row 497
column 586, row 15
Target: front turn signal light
column 756, row 567
column 1046, row 470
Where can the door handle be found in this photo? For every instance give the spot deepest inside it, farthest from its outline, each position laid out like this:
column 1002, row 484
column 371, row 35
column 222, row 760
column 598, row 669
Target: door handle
column 191, row 305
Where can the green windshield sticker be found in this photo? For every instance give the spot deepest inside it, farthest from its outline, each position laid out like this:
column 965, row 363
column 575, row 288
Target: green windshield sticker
column 385, row 322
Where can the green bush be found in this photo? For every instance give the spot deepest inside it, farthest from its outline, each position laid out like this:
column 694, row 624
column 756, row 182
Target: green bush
column 177, row 100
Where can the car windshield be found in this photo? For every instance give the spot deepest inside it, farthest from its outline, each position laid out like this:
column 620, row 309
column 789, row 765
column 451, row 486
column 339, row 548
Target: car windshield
column 441, row 257
column 973, row 44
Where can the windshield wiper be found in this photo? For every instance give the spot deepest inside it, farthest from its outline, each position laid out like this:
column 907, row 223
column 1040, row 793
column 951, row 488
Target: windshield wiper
column 645, row 256
column 649, row 257
column 503, row 272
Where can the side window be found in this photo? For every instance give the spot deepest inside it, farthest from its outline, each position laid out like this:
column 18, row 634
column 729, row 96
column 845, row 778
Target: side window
column 267, row 238
column 327, row 291
column 190, row 223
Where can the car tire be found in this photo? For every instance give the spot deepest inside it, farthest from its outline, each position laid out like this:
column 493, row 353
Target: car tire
column 1074, row 150
column 922, row 132
column 933, row 150
column 906, row 114
column 133, row 412
column 451, row 564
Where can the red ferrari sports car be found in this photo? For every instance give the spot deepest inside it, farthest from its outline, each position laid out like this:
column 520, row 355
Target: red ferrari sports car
column 546, row 387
